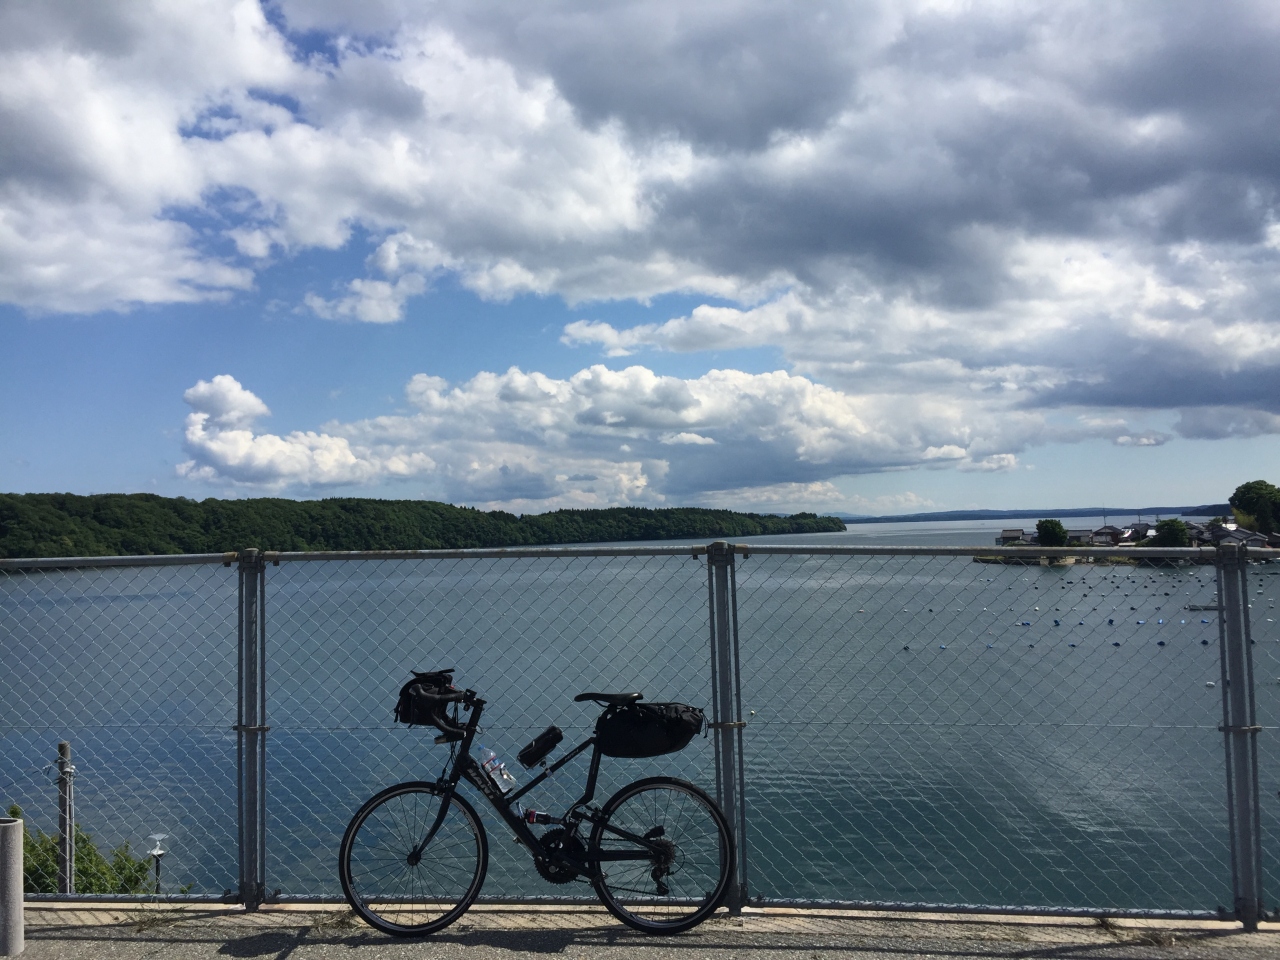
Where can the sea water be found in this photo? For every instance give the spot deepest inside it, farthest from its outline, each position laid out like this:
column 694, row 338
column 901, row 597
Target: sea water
column 917, row 730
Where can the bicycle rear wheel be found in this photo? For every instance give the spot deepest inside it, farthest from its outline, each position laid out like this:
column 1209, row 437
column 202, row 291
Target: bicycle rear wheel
column 391, row 889
column 680, row 883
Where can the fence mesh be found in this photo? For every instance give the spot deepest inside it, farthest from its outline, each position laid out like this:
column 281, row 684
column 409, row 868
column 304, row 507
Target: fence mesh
column 921, row 728
column 931, row 729
column 136, row 668
column 526, row 634
column 1263, row 586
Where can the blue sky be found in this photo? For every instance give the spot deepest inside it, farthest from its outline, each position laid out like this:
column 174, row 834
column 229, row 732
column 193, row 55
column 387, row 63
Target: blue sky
column 858, row 257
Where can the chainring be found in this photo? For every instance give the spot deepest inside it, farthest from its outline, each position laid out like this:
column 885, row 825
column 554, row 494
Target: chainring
column 560, row 840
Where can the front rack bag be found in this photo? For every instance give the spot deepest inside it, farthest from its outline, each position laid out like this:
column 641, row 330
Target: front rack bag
column 647, row 729
column 417, row 711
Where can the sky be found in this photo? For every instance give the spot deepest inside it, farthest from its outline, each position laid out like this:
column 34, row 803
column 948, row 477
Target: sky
column 861, row 257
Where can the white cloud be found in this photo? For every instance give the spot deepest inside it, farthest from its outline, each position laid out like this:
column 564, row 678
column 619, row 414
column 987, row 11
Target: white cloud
column 995, row 463
column 223, row 447
column 372, row 301
column 599, row 438
column 687, row 437
column 225, row 404
column 960, row 220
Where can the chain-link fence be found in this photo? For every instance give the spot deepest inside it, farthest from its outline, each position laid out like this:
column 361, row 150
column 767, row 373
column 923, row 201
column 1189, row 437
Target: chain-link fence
column 528, row 634
column 982, row 733
column 892, row 726
column 135, row 667
column 1262, row 583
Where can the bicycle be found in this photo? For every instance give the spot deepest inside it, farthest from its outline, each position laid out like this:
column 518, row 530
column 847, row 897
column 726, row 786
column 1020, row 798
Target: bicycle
column 659, row 853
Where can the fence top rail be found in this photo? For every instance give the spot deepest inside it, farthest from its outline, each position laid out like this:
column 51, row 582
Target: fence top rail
column 76, row 563
column 694, row 550
column 483, row 553
column 1030, row 553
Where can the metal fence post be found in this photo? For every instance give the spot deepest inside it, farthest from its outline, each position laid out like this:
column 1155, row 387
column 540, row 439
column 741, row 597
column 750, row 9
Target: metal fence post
column 1240, row 732
column 251, row 749
column 66, row 820
column 727, row 723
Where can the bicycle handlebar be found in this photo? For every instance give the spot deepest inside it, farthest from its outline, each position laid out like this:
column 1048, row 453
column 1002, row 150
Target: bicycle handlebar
column 455, row 696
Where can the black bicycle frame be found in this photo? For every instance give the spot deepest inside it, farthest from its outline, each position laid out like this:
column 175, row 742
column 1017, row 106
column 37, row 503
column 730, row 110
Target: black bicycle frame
column 465, row 766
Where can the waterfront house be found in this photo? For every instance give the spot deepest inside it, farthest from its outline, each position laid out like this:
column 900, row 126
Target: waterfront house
column 1246, row 538
column 1107, row 535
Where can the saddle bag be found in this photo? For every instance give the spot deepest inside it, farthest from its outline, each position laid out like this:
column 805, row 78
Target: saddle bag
column 647, row 729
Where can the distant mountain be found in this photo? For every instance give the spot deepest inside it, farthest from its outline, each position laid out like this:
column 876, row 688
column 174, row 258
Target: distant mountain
column 1204, row 510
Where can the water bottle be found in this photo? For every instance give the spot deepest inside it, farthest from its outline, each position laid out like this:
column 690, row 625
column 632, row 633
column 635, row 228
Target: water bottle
column 496, row 770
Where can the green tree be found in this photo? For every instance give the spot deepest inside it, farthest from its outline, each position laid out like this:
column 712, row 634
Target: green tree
column 1170, row 533
column 1256, row 505
column 64, row 525
column 122, row 874
column 1051, row 533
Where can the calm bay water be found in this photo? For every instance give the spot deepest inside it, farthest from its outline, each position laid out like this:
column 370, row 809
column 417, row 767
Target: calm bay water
column 922, row 729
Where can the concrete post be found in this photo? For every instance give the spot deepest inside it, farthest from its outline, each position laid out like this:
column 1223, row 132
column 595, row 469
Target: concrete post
column 11, row 920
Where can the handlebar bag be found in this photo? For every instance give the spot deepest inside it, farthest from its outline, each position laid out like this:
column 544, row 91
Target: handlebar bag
column 417, row 711
column 647, row 729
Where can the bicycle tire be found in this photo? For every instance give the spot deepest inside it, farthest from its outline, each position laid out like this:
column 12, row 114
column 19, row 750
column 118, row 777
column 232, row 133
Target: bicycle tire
column 384, row 888
column 679, row 892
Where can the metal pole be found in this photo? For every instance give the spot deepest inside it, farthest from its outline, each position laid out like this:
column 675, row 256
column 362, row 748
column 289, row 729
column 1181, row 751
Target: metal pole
column 66, row 820
column 727, row 711
column 250, row 717
column 11, row 919
column 1240, row 731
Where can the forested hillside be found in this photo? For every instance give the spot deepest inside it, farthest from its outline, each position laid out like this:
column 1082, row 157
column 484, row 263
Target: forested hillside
column 66, row 525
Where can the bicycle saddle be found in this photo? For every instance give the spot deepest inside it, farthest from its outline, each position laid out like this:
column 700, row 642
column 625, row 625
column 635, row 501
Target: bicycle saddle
column 612, row 699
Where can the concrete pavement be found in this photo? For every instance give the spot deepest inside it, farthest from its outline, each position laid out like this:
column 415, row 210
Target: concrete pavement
column 155, row 932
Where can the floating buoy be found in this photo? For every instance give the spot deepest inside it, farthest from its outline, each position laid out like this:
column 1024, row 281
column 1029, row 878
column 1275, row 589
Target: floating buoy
column 1204, row 643
column 1110, row 622
column 990, row 645
column 1160, row 621
column 1159, row 643
column 1026, row 623
column 1080, row 624
column 1204, row 621
column 1209, row 684
column 1057, row 623
column 906, row 648
column 1072, row 644
column 1141, row 622
column 942, row 646
column 1115, row 643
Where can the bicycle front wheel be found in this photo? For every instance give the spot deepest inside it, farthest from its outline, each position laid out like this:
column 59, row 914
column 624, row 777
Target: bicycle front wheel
column 675, row 855
column 400, row 892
